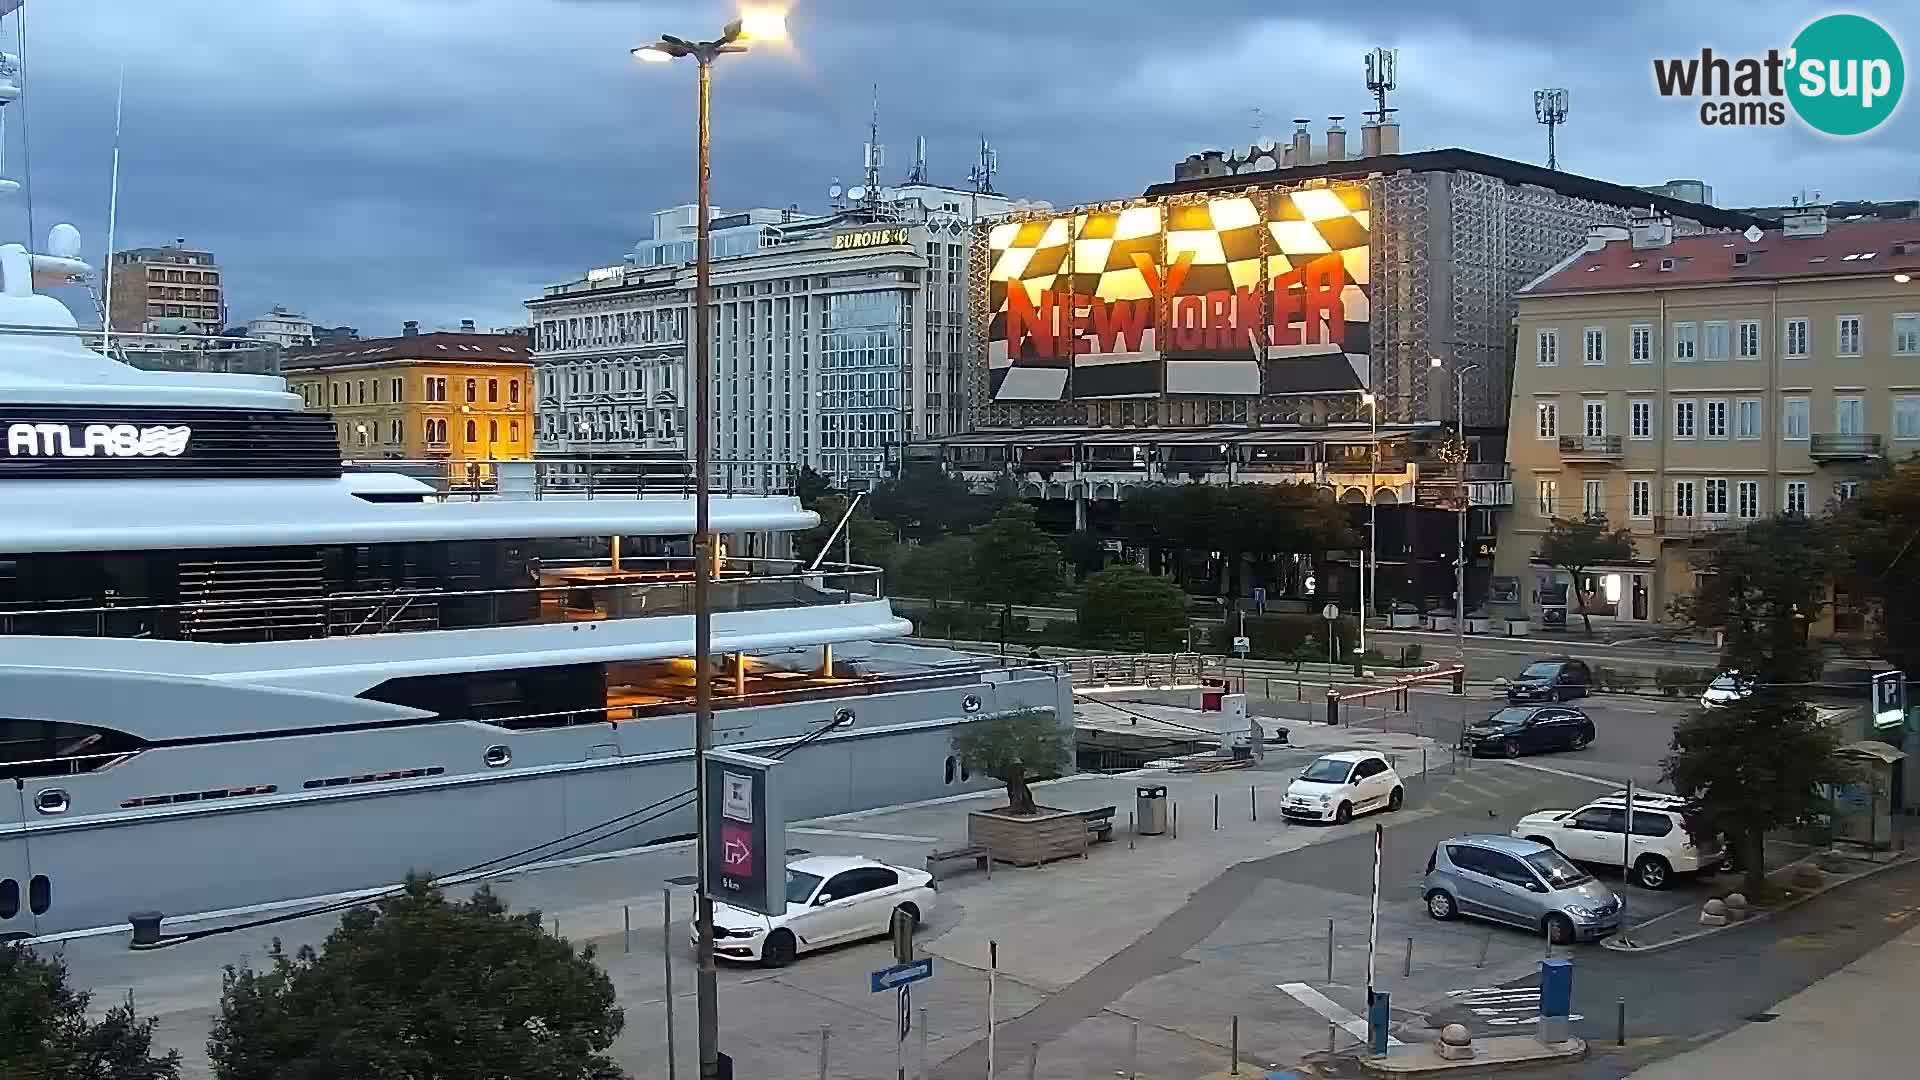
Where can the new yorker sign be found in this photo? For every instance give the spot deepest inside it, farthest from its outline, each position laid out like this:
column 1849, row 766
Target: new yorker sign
column 865, row 238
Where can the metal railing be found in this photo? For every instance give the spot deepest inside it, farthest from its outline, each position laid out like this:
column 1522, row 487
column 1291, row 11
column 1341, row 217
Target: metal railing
column 1143, row 669
column 170, row 352
column 1606, row 447
column 740, row 586
column 1844, row 446
column 582, row 478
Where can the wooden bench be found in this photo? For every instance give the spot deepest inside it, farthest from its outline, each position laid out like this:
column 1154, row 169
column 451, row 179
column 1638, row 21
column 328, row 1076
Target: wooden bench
column 981, row 858
column 1099, row 824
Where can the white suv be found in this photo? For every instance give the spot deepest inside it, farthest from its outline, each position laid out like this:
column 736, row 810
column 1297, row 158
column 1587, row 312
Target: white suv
column 1658, row 849
column 1338, row 786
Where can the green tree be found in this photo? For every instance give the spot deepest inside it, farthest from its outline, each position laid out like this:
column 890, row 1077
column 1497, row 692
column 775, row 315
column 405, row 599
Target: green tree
column 1880, row 536
column 1123, row 606
column 1016, row 749
column 925, row 503
column 1261, row 522
column 1759, row 763
column 1577, row 545
column 1085, row 552
column 873, row 541
column 47, row 1034
column 940, row 571
column 1013, row 563
column 810, row 486
column 417, row 986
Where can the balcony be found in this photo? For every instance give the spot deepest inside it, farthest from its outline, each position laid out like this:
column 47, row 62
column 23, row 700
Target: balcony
column 1604, row 449
column 1848, row 447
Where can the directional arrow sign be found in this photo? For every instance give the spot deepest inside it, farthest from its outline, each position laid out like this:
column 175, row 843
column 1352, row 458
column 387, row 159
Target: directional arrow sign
column 902, row 974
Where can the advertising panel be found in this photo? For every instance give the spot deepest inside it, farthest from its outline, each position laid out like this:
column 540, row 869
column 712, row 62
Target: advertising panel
column 746, row 833
column 1241, row 295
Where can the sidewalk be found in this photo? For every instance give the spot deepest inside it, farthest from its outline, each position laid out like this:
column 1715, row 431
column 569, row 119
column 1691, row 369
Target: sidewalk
column 1847, row 1024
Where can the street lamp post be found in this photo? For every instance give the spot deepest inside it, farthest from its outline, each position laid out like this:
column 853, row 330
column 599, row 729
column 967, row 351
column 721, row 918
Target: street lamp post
column 756, row 25
column 1460, row 549
column 1369, row 582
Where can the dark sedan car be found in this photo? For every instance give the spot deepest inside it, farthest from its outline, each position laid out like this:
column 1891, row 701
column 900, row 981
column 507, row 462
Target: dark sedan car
column 1528, row 729
column 1551, row 680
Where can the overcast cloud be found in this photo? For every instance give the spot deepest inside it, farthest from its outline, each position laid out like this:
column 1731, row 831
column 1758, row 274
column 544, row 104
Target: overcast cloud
column 369, row 161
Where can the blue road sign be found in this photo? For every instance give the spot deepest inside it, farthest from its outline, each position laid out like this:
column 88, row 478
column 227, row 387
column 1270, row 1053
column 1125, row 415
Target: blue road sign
column 902, row 974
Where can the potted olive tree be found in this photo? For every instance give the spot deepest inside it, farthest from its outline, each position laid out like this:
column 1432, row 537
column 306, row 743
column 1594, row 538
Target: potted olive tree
column 1018, row 749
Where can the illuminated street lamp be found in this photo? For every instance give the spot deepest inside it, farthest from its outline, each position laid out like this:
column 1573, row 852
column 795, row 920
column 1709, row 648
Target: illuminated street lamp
column 1460, row 550
column 755, row 25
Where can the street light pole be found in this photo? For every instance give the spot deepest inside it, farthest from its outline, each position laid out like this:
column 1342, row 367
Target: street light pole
column 1460, row 549
column 1368, row 581
column 766, row 25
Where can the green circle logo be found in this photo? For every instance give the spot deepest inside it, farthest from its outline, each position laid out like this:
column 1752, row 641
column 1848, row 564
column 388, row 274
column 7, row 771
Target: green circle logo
column 1847, row 75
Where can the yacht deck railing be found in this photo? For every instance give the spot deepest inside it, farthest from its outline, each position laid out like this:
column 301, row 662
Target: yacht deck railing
column 613, row 477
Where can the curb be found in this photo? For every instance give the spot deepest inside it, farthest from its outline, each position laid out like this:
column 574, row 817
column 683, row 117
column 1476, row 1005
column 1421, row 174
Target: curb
column 1763, row 916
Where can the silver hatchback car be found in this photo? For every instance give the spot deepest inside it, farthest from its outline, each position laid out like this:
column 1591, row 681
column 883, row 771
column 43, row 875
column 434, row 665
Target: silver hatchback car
column 1509, row 880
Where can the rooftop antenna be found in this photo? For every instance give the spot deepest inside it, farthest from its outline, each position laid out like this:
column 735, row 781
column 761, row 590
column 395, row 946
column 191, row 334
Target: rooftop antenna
column 918, row 175
column 1550, row 108
column 876, row 155
column 981, row 175
column 1381, row 63
column 113, row 217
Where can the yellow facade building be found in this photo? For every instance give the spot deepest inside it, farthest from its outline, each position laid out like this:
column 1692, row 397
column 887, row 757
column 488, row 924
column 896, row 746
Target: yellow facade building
column 457, row 397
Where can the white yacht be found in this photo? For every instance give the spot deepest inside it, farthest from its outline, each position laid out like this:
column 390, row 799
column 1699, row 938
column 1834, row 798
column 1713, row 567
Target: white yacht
column 235, row 673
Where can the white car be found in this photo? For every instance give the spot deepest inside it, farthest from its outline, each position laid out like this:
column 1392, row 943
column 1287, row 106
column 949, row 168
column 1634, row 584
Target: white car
column 831, row 899
column 1658, row 849
column 1725, row 689
column 1338, row 786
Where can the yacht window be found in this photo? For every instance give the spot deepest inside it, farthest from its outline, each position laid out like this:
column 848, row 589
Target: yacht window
column 51, row 801
column 950, row 768
column 373, row 778
column 497, row 756
column 9, row 898
column 39, row 894
column 51, row 748
column 198, row 796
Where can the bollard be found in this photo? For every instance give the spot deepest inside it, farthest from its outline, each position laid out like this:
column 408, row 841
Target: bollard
column 1233, row 1048
column 1485, row 944
column 1130, row 830
column 823, row 1052
column 1033, row 1059
column 1216, row 811
column 1253, row 804
column 1133, row 1051
column 1423, row 758
column 626, row 927
column 1329, row 950
column 1460, row 680
column 1619, row 1021
column 1333, row 707
column 1332, row 1035
column 1174, row 819
column 666, row 965
column 923, row 1044
column 1407, row 970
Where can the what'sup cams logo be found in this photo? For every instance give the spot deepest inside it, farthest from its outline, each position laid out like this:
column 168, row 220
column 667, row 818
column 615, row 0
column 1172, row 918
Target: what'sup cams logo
column 1842, row 76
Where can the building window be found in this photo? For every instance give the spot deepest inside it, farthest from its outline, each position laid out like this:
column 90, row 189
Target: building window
column 493, row 431
column 1793, row 418
column 1716, row 492
column 1640, row 419
column 1849, row 416
column 1796, row 335
column 1686, row 341
column 1596, row 418
column 513, row 432
column 1595, row 351
column 1549, row 496
column 1593, row 498
column 1683, row 498
column 473, row 432
column 399, row 390
column 1844, row 490
column 1547, row 419
column 1716, row 419
column 1547, row 348
column 1746, row 418
column 1906, row 417
column 1713, row 341
column 1685, row 415
column 493, row 391
column 1906, row 335
column 1847, row 336
column 398, row 431
column 473, row 386
column 1747, row 502
column 1794, row 500
column 1640, row 504
column 437, row 388
column 1642, row 352
column 513, row 391
column 1749, row 340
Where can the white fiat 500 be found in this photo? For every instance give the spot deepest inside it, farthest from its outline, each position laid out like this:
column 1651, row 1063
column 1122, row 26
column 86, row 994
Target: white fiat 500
column 1338, row 786
column 831, row 899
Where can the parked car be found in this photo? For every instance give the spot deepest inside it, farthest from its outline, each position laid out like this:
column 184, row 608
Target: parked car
column 1338, row 786
column 1725, row 689
column 1659, row 848
column 1528, row 729
column 1551, row 680
column 831, row 899
column 1521, row 883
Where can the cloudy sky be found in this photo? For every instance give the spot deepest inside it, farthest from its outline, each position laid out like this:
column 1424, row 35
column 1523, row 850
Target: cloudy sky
column 369, row 161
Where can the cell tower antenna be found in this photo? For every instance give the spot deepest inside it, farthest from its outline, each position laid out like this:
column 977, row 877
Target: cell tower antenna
column 1550, row 108
column 1381, row 63
column 876, row 154
column 982, row 173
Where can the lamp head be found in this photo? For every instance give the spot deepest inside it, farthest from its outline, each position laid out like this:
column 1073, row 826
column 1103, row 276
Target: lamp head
column 652, row 54
column 757, row 25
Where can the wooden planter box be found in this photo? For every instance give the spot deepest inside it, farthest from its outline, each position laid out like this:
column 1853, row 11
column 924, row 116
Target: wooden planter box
column 1028, row 840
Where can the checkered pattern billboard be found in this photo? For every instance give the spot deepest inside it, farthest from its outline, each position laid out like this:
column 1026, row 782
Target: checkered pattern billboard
column 1243, row 295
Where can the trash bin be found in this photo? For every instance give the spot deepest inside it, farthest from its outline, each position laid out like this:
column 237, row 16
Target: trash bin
column 1151, row 811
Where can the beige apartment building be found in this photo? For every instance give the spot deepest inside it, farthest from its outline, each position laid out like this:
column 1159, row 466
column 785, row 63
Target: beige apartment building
column 1680, row 385
column 168, row 289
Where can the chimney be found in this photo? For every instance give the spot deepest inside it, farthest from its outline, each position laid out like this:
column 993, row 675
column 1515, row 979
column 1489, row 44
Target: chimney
column 1390, row 137
column 1336, row 139
column 1651, row 231
column 1302, row 142
column 466, row 326
column 1599, row 236
column 1370, row 139
column 410, row 328
column 1286, row 155
column 1805, row 220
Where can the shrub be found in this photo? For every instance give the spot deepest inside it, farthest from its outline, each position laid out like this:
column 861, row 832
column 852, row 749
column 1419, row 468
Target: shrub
column 1675, row 681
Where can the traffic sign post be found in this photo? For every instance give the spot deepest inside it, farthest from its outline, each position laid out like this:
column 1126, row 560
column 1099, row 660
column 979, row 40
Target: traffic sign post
column 900, row 979
column 899, row 975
